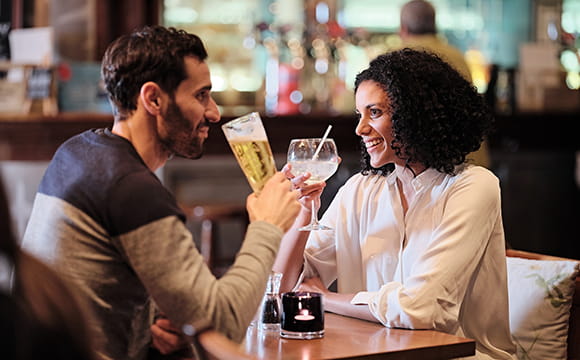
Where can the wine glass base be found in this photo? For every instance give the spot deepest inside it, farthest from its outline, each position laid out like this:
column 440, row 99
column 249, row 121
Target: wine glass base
column 313, row 227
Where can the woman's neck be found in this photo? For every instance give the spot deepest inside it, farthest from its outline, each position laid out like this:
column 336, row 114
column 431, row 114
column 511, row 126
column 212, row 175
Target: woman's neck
column 405, row 176
column 414, row 169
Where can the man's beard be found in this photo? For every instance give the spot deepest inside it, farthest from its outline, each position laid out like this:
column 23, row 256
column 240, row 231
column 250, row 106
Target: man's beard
column 180, row 138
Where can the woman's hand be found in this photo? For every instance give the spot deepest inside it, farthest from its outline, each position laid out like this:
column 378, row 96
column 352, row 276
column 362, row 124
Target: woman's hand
column 308, row 193
column 338, row 303
column 313, row 285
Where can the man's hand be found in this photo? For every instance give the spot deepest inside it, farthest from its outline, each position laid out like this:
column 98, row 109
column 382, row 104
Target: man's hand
column 167, row 339
column 277, row 203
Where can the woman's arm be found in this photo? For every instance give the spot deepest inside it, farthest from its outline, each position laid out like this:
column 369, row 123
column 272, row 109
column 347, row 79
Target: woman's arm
column 336, row 302
column 290, row 258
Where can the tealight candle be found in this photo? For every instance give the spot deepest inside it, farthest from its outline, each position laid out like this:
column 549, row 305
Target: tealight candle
column 302, row 315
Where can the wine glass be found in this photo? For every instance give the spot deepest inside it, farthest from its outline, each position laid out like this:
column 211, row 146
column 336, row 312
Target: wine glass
column 304, row 156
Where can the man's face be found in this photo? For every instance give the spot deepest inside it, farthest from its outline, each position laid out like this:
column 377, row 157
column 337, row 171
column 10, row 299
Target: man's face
column 189, row 112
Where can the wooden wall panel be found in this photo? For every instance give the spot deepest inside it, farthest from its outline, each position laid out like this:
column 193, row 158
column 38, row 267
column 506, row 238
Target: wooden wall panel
column 117, row 17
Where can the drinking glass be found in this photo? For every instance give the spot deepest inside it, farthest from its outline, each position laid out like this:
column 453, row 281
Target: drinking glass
column 303, row 156
column 247, row 138
column 269, row 317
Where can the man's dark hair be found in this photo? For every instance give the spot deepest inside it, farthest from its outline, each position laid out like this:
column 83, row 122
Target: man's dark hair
column 438, row 117
column 418, row 16
column 153, row 53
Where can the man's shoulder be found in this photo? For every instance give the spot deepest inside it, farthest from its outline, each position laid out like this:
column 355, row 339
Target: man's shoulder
column 102, row 175
column 441, row 48
column 90, row 159
column 83, row 137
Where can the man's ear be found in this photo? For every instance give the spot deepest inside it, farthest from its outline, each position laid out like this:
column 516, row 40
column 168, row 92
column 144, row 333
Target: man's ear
column 150, row 97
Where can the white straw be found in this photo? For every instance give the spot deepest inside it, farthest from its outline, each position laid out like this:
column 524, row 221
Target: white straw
column 321, row 142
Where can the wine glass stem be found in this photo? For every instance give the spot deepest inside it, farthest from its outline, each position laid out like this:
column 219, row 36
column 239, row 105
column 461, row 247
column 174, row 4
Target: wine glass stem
column 314, row 216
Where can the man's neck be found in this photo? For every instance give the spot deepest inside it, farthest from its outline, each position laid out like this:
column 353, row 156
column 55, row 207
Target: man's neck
column 411, row 37
column 140, row 130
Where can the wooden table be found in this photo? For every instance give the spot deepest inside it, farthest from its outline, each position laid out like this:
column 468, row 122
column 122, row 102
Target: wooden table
column 349, row 338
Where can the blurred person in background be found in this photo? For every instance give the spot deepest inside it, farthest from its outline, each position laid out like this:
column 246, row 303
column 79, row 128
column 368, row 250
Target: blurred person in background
column 418, row 30
column 105, row 220
column 41, row 316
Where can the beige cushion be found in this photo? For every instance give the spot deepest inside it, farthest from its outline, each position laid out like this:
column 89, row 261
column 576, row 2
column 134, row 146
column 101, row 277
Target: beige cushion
column 540, row 296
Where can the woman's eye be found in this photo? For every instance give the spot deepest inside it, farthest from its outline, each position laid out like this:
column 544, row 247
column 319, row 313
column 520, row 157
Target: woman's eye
column 375, row 113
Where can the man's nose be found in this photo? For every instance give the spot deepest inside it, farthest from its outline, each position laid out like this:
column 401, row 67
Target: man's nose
column 212, row 113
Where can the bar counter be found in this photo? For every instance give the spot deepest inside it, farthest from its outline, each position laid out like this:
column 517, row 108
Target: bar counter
column 36, row 137
column 350, row 338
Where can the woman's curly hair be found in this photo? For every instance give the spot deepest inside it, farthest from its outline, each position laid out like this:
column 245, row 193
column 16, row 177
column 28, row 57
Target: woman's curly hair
column 438, row 117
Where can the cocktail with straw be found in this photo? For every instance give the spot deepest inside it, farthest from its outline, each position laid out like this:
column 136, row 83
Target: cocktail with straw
column 319, row 157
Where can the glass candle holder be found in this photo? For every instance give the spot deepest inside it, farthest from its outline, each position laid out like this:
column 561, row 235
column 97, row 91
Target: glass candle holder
column 302, row 315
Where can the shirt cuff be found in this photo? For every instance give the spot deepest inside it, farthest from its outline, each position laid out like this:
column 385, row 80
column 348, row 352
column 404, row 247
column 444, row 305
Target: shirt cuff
column 362, row 298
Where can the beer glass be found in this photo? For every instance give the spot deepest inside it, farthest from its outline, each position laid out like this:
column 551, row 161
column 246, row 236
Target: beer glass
column 247, row 138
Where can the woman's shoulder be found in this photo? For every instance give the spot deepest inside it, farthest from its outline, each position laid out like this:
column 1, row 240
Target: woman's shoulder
column 476, row 176
column 477, row 172
column 361, row 185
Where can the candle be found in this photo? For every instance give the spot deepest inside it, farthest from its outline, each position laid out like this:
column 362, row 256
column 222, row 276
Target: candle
column 302, row 315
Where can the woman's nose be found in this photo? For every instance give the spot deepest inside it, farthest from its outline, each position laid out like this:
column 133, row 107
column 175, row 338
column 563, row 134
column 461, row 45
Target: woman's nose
column 362, row 127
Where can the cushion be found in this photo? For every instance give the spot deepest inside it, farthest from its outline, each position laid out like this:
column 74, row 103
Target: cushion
column 540, row 297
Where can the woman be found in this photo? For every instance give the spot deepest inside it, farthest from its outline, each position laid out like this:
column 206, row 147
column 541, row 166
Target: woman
column 418, row 238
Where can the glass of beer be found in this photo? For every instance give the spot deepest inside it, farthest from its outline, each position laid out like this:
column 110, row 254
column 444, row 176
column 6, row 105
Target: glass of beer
column 249, row 143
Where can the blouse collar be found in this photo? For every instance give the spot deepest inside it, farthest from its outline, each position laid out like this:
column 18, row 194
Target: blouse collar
column 418, row 182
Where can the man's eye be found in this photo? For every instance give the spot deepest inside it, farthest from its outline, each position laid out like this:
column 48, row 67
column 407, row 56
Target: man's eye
column 202, row 95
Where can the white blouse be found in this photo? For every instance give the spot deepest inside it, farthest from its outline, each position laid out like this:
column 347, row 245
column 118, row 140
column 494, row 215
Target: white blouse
column 439, row 266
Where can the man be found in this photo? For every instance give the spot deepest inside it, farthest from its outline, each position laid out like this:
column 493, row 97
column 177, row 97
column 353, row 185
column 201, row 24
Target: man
column 418, row 31
column 106, row 222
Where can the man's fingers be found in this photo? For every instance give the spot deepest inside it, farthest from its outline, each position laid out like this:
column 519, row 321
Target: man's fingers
column 166, row 325
column 168, row 340
column 163, row 348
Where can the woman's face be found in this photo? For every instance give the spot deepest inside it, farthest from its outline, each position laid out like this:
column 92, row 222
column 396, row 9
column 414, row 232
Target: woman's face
column 375, row 126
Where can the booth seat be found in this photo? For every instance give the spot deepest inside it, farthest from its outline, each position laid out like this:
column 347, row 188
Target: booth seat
column 568, row 281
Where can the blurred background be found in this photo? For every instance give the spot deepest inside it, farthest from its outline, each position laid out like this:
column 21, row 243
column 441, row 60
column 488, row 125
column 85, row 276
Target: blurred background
column 294, row 61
